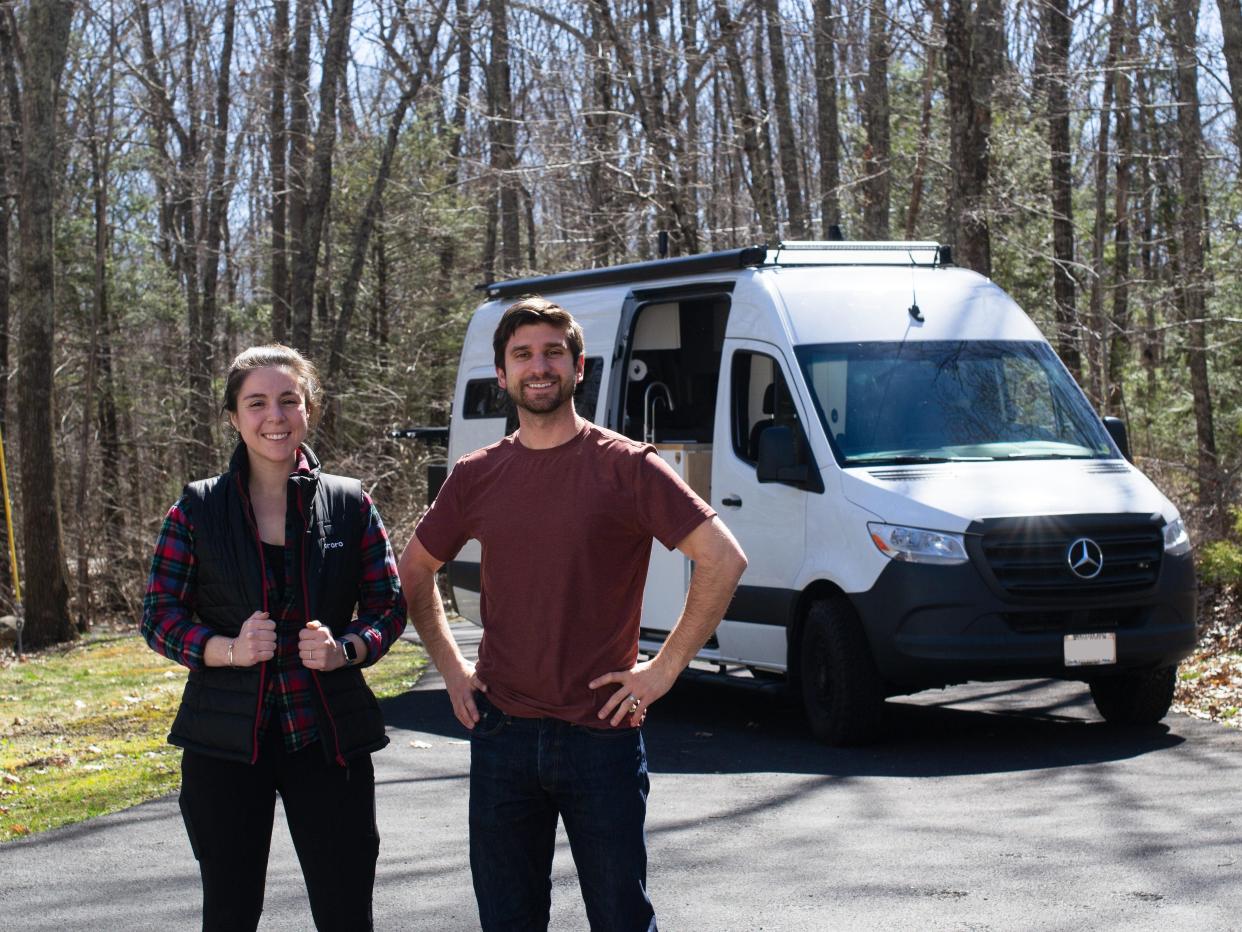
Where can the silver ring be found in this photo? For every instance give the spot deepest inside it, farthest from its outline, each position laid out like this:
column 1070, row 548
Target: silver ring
column 632, row 698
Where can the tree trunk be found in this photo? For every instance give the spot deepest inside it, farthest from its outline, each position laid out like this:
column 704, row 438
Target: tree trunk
column 504, row 139
column 299, row 142
column 457, row 129
column 599, row 135
column 362, row 238
column 799, row 221
column 278, row 159
column 671, row 200
column 687, row 184
column 1119, row 331
column 204, row 342
column 99, row 172
column 877, row 154
column 1231, row 27
column 759, row 180
column 763, row 113
column 1055, row 29
column 1180, row 24
column 828, row 131
column 47, row 587
column 319, row 190
column 1097, row 340
column 158, row 124
column 925, row 123
column 10, row 155
column 972, row 53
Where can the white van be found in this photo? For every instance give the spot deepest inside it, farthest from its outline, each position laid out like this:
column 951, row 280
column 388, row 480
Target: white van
column 924, row 494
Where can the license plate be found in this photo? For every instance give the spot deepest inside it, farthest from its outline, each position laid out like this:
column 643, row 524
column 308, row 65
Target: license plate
column 1085, row 650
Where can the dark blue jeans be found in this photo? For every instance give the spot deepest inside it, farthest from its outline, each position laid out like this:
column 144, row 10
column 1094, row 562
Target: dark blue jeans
column 524, row 773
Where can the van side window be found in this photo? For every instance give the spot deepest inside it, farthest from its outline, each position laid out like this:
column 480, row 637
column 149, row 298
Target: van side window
column 486, row 399
column 760, row 400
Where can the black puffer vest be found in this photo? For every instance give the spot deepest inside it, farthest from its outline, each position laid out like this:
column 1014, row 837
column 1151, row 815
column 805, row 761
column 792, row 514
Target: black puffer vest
column 220, row 709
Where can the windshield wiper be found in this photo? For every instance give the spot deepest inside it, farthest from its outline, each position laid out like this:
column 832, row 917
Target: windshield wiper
column 1047, row 456
column 903, row 460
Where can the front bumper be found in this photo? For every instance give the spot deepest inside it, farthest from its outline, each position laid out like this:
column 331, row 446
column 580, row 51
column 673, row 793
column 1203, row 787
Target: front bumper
column 935, row 625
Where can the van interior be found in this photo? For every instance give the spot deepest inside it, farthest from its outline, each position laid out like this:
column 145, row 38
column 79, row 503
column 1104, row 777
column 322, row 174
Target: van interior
column 673, row 370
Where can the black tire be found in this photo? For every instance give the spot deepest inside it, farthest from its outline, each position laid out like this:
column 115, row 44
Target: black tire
column 1137, row 698
column 841, row 690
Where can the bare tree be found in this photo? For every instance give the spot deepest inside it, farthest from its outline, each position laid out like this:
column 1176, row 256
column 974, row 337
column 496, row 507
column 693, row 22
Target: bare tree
column 919, row 173
column 1119, row 330
column 973, row 49
column 758, row 175
column 504, row 137
column 1231, row 29
column 278, row 159
column 799, row 221
column 877, row 182
column 1052, row 75
column 10, row 155
column 1097, row 338
column 1180, row 25
column 319, row 188
column 47, row 587
column 828, row 131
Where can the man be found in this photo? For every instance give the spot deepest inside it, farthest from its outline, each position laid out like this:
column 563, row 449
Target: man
column 565, row 512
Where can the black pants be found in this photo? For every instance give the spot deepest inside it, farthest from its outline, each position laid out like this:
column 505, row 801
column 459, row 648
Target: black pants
column 228, row 809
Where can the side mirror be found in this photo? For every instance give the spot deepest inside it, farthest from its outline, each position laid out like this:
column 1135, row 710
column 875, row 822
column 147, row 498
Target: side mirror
column 778, row 457
column 1116, row 428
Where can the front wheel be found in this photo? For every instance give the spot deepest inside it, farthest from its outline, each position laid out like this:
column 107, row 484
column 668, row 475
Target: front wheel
column 840, row 685
column 1136, row 698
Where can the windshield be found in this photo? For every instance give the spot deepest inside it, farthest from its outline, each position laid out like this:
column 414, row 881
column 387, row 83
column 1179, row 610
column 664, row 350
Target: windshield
column 948, row 401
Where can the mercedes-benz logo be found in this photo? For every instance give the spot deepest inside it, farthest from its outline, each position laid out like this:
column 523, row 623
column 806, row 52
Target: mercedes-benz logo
column 1085, row 558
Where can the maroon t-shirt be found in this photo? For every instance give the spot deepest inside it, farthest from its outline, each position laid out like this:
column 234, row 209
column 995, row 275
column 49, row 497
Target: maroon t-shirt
column 566, row 536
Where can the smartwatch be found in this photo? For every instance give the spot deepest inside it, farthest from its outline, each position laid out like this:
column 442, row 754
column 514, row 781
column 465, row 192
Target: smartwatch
column 350, row 650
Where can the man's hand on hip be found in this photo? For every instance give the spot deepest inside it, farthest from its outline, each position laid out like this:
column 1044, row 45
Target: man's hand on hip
column 461, row 683
column 638, row 688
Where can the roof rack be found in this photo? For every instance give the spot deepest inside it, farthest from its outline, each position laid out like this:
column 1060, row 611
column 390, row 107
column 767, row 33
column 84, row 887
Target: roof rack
column 848, row 252
column 861, row 252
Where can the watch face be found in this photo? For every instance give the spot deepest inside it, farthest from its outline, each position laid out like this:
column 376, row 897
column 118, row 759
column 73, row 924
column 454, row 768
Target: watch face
column 350, row 650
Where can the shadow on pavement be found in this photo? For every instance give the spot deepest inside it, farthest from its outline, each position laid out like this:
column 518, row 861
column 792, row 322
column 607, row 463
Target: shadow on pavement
column 716, row 727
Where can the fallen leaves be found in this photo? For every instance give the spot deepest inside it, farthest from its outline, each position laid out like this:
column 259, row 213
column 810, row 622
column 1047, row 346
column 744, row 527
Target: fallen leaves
column 1210, row 680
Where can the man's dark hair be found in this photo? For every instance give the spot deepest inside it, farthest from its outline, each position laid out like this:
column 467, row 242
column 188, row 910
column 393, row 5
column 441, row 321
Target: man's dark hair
column 533, row 309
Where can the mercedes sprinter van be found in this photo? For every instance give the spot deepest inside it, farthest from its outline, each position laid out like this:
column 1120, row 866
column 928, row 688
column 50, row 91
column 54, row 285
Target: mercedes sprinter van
column 924, row 494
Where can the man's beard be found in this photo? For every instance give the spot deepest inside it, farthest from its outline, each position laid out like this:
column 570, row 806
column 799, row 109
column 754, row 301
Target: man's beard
column 546, row 404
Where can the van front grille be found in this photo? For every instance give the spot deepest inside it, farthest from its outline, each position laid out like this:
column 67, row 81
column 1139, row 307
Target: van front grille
column 1031, row 556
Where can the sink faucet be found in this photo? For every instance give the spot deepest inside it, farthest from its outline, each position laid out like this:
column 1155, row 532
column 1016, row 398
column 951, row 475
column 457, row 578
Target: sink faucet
column 649, row 404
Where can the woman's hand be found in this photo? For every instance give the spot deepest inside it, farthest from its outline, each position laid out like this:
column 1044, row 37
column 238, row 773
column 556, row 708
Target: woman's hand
column 318, row 649
column 256, row 642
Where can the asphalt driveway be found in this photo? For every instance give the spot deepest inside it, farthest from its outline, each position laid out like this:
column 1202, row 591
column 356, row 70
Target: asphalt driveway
column 998, row 806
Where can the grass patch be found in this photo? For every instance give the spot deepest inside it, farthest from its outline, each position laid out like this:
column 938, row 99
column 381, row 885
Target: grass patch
column 83, row 728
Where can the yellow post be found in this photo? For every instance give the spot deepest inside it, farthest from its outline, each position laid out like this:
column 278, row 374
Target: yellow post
column 8, row 524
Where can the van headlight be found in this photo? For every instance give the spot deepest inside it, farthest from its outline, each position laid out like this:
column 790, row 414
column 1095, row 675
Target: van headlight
column 1176, row 539
column 915, row 545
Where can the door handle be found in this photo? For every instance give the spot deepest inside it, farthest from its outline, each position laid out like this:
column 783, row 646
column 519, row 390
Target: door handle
column 733, row 502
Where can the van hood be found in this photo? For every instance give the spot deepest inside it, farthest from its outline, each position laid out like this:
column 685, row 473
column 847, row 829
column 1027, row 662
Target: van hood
column 950, row 496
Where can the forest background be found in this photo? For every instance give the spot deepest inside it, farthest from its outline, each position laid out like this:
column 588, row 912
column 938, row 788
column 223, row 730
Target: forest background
column 182, row 178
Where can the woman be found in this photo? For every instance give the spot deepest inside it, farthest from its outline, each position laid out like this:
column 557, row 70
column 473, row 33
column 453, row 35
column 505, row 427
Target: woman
column 253, row 587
